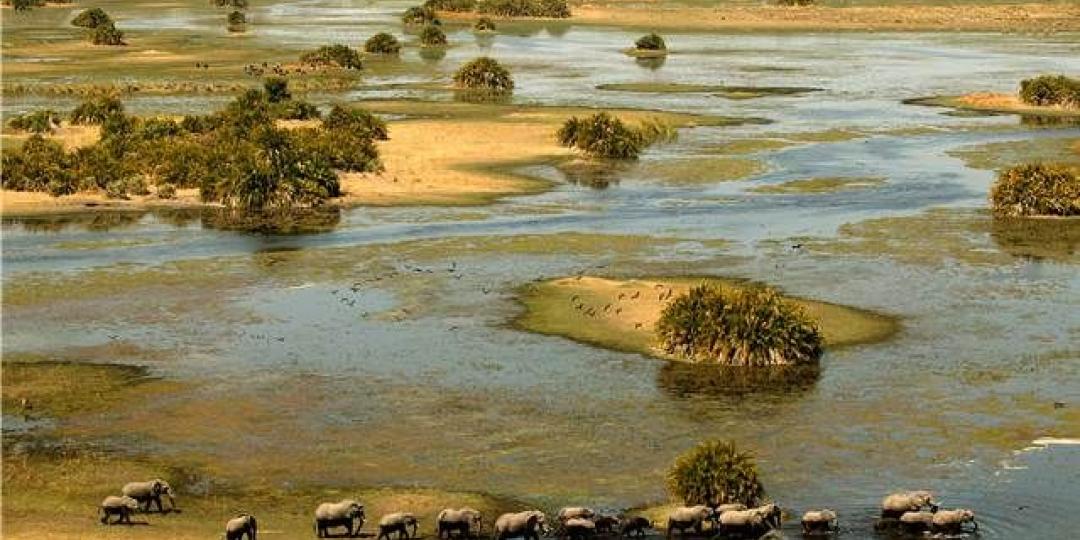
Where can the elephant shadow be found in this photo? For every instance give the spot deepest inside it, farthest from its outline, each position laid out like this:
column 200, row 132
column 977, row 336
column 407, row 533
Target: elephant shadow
column 132, row 523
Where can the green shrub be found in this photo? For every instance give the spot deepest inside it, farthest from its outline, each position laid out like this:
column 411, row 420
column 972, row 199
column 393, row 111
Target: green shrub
column 1036, row 190
column 651, row 42
column 343, row 149
column 714, row 473
column 450, row 5
column 605, row 136
column 382, row 43
column 152, row 129
column 432, row 36
column 1046, row 90
column 92, row 18
column 40, row 121
column 235, row 4
column 419, row 15
column 296, row 110
column 486, row 75
column 484, row 24
column 166, row 191
column 107, row 34
column 236, row 21
column 333, row 55
column 277, row 89
column 751, row 326
column 357, row 121
column 24, row 5
column 96, row 109
column 39, row 165
column 551, row 9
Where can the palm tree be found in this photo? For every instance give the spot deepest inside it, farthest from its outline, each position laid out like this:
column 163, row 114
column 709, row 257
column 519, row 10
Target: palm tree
column 714, row 472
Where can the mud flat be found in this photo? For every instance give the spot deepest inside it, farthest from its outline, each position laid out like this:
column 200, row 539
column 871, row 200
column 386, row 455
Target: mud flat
column 990, row 103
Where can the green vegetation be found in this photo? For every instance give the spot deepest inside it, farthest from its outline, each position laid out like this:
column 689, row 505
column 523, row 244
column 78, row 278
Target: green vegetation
column 26, row 5
column 356, row 121
column 40, row 121
column 486, row 75
column 546, row 9
column 102, row 29
column 751, row 326
column 825, row 184
column 605, row 136
column 419, row 15
column 336, row 55
column 432, row 36
column 235, row 21
column 107, row 34
column 96, row 110
column 451, row 5
column 234, row 4
column 651, row 42
column 1036, row 190
column 382, row 43
column 714, row 473
column 1047, row 90
column 484, row 24
column 91, row 18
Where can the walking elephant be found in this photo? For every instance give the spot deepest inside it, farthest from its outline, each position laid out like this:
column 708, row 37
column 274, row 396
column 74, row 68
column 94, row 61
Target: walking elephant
column 463, row 520
column 572, row 512
column 346, row 513
column 916, row 522
column 150, row 492
column 895, row 505
column 529, row 525
column 819, row 522
column 751, row 522
column 121, row 507
column 242, row 526
column 397, row 522
column 690, row 518
column 634, row 526
column 952, row 521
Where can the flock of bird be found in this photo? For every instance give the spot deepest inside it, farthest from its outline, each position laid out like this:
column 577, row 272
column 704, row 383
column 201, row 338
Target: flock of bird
column 663, row 293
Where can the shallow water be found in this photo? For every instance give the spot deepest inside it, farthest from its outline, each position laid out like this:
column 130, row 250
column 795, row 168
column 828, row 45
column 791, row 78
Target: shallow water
column 417, row 377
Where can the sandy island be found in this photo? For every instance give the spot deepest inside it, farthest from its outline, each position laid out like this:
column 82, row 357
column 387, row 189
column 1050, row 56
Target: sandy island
column 622, row 314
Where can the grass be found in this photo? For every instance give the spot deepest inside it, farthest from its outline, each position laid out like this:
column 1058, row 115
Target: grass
column 702, row 170
column 825, row 184
column 548, row 310
column 999, row 155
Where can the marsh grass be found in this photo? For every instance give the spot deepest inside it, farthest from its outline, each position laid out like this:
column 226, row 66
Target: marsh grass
column 605, row 136
column 484, row 75
column 1036, row 190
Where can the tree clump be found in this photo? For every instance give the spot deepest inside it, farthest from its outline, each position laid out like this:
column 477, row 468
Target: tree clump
column 382, row 43
column 713, row 473
column 1049, row 90
column 751, row 326
column 234, row 4
column 336, row 55
column 484, row 24
column 40, row 121
column 96, row 109
column 432, row 36
column 451, row 5
column 91, row 18
column 101, row 30
column 651, row 42
column 1036, row 190
column 546, row 9
column 419, row 16
column 605, row 136
column 484, row 74
column 236, row 21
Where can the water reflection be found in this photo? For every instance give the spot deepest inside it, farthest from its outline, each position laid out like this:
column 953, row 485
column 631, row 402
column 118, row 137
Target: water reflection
column 597, row 174
column 651, row 64
column 293, row 221
column 290, row 221
column 1038, row 239
column 685, row 380
column 96, row 222
column 432, row 55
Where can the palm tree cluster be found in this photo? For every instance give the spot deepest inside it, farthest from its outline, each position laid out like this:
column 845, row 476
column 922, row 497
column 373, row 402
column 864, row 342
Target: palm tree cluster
column 751, row 326
column 1036, row 189
column 336, row 55
column 1046, row 90
column 713, row 473
column 432, row 36
column 102, row 29
column 419, row 15
column 484, row 74
column 605, row 136
column 382, row 43
column 651, row 42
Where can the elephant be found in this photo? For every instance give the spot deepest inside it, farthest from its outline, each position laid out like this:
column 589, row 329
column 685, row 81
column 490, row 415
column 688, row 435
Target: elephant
column 150, row 492
column 575, row 512
column 819, row 521
column 916, row 522
column 578, row 528
column 753, row 521
column 241, row 526
column 347, row 513
column 692, row 518
column 895, row 505
column 636, row 526
column 398, row 522
column 729, row 507
column 605, row 524
column 122, row 507
column 952, row 521
column 461, row 520
column 529, row 525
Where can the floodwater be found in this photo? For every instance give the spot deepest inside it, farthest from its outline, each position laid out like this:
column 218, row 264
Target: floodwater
column 385, row 344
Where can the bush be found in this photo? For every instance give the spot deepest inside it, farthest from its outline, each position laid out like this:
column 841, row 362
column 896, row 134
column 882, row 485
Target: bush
column 382, row 43
column 484, row 24
column 751, row 326
column 450, row 5
column 277, row 89
column 552, row 9
column 235, row 21
column 40, row 121
column 107, row 34
column 235, row 4
column 486, row 75
column 1046, row 90
column 651, row 42
column 166, row 191
column 91, row 18
column 295, row 110
column 714, row 473
column 333, row 55
column 357, row 121
column 605, row 136
column 1036, row 190
column 419, row 15
column 432, row 36
column 24, row 5
column 40, row 165
column 96, row 109
column 343, row 149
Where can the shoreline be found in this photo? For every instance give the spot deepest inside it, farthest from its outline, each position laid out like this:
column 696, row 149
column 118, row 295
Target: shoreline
column 993, row 103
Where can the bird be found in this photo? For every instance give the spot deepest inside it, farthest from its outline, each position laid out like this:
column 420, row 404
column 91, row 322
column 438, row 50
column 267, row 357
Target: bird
column 638, row 325
column 636, row 295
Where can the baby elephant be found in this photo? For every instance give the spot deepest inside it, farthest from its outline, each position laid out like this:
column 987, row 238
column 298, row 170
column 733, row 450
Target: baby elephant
column 122, row 507
column 398, row 522
column 895, row 505
column 242, row 526
column 634, row 526
column 150, row 492
column 819, row 522
column 952, row 521
column 347, row 513
column 579, row 528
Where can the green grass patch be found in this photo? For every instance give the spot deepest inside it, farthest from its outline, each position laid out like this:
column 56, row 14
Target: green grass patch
column 702, row 170
column 828, row 184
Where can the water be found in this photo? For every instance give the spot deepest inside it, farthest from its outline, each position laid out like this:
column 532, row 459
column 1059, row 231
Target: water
column 418, row 379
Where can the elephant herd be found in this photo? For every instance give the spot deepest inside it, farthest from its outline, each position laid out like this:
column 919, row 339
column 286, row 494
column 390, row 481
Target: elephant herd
column 913, row 511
